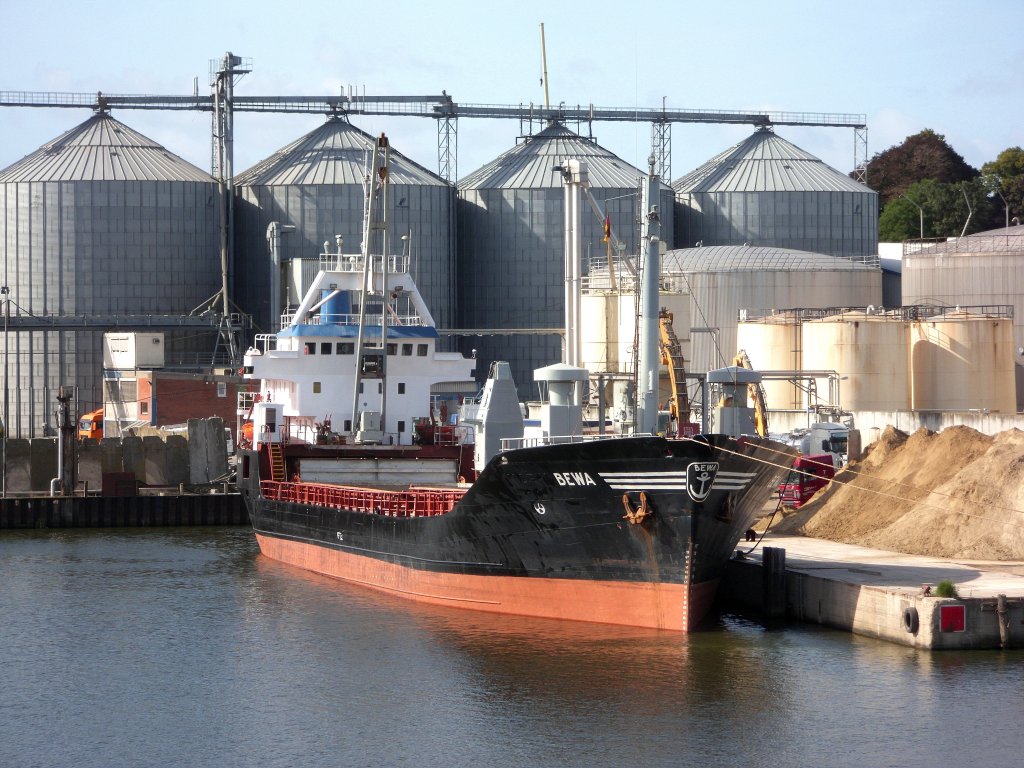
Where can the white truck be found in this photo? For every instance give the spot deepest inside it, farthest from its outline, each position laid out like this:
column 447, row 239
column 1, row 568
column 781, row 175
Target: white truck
column 827, row 437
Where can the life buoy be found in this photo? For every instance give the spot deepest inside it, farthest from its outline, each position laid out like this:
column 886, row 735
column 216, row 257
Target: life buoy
column 910, row 620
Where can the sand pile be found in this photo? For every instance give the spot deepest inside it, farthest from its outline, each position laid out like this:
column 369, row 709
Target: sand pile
column 956, row 493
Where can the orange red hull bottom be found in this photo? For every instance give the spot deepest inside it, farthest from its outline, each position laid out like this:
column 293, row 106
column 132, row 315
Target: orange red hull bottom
column 637, row 604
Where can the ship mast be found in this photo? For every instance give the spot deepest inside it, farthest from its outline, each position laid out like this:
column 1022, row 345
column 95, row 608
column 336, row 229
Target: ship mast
column 369, row 359
column 650, row 355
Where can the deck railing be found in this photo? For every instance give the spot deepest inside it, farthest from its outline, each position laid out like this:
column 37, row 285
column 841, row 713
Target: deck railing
column 414, row 502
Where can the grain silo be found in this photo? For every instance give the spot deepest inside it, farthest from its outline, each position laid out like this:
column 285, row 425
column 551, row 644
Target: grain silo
column 982, row 269
column 316, row 184
column 511, row 242
column 100, row 221
column 723, row 280
column 766, row 191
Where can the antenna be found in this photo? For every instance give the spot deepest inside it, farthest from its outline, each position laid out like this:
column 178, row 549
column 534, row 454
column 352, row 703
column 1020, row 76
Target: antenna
column 544, row 68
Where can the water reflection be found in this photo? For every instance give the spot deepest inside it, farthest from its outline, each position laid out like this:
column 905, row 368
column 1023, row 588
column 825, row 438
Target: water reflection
column 187, row 647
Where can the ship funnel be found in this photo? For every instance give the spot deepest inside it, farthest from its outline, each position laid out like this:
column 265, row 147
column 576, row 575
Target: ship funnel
column 562, row 412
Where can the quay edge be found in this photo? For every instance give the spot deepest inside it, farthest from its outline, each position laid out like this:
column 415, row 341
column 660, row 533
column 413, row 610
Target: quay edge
column 882, row 594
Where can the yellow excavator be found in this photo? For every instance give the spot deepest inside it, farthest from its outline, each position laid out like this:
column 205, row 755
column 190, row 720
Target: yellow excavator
column 672, row 356
column 756, row 393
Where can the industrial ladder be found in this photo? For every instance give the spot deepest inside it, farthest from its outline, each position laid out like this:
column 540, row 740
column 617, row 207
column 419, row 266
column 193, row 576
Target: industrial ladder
column 276, row 463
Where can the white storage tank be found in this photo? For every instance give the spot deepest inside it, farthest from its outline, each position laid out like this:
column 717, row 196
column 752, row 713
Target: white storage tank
column 609, row 332
column 963, row 361
column 722, row 280
column 983, row 269
column 774, row 343
column 868, row 352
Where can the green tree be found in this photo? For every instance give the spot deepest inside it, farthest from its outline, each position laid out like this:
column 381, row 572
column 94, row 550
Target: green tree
column 925, row 155
column 943, row 209
column 1005, row 178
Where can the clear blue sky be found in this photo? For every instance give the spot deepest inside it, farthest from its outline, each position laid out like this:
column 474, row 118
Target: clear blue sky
column 954, row 67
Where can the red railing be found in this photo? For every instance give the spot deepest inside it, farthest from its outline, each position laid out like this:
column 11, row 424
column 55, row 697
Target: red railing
column 414, row 502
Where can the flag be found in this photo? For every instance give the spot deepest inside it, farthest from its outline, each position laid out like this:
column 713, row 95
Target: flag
column 607, row 229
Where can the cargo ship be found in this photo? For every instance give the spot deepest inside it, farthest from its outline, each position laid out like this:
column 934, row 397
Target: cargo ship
column 430, row 488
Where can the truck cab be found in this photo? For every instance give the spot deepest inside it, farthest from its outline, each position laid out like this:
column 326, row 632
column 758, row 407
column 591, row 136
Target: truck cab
column 827, row 437
column 91, row 425
column 809, row 474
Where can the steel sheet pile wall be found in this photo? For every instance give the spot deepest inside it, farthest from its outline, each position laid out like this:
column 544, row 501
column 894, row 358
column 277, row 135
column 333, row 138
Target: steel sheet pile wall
column 767, row 192
column 982, row 269
column 316, row 184
column 100, row 221
column 511, row 243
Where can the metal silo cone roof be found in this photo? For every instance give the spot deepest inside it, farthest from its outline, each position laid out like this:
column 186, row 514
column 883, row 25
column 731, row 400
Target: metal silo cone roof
column 764, row 162
column 530, row 165
column 748, row 258
column 335, row 153
column 102, row 149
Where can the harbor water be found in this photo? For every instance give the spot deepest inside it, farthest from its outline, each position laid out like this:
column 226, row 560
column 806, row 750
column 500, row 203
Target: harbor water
column 187, row 647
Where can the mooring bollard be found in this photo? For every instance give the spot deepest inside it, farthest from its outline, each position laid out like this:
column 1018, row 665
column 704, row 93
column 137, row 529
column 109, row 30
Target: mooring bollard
column 773, row 582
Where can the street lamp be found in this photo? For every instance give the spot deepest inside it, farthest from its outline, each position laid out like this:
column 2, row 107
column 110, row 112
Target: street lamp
column 6, row 293
column 1006, row 208
column 920, row 212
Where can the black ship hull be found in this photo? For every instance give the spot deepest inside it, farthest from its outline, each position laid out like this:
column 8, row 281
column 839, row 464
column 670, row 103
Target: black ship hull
column 628, row 530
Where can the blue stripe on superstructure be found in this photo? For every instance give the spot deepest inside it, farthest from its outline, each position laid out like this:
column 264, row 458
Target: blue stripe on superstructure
column 345, row 331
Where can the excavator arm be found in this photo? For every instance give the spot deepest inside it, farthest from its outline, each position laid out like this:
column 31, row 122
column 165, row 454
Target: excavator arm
column 756, row 393
column 672, row 356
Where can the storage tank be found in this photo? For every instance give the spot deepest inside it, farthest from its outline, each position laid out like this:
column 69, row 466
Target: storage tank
column 511, row 242
column 100, row 221
column 609, row 336
column 722, row 280
column 963, row 361
column 316, row 184
column 869, row 353
column 982, row 269
column 774, row 343
column 766, row 191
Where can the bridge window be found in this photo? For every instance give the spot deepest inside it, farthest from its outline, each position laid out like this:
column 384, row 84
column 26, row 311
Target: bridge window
column 309, row 348
column 345, row 348
column 325, row 347
column 407, row 350
column 392, row 349
column 421, row 350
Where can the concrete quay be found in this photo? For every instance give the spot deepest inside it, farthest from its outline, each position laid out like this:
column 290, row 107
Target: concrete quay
column 885, row 595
